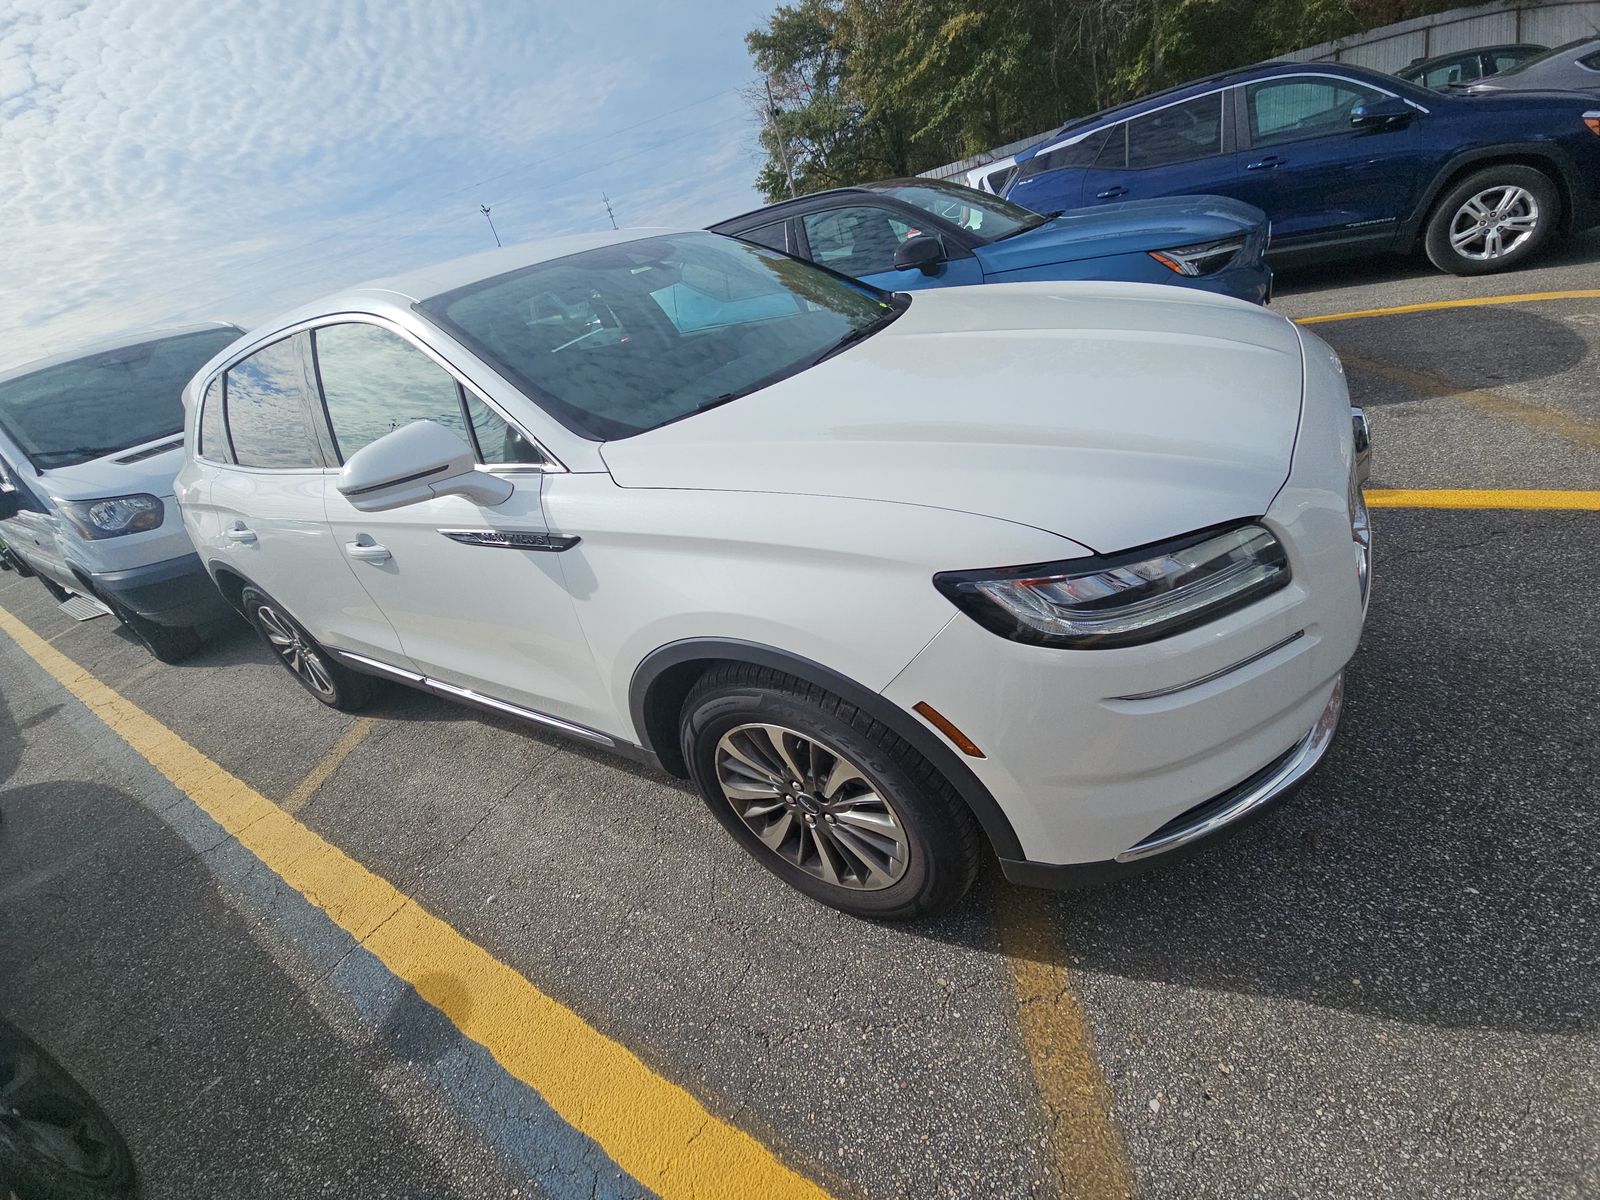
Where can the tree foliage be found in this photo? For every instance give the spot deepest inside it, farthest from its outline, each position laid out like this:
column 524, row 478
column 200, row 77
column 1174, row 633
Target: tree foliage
column 863, row 89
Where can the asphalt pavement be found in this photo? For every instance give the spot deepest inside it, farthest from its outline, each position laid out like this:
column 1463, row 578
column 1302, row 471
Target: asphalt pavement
column 1388, row 987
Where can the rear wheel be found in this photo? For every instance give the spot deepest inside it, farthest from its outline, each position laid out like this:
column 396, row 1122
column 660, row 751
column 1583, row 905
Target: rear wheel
column 20, row 567
column 825, row 797
column 168, row 643
column 1493, row 220
column 312, row 666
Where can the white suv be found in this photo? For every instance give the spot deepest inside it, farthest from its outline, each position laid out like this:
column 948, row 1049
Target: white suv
column 1075, row 568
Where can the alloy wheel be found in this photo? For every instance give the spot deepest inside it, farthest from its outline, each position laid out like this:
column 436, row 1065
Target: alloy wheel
column 298, row 654
column 1494, row 223
column 812, row 806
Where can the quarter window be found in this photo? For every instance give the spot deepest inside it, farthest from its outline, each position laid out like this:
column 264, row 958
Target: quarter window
column 856, row 241
column 1181, row 133
column 266, row 399
column 1287, row 110
column 374, row 382
column 775, row 235
column 213, row 434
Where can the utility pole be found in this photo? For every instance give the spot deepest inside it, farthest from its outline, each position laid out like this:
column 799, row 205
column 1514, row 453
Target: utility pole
column 607, row 201
column 484, row 209
column 777, row 134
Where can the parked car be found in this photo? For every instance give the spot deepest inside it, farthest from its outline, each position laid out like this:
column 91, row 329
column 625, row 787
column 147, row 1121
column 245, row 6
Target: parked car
column 992, row 177
column 1343, row 161
column 1574, row 67
column 1075, row 568
column 903, row 234
column 1467, row 66
column 90, row 442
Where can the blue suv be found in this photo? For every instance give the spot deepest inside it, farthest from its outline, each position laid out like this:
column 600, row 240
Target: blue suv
column 904, row 234
column 1344, row 161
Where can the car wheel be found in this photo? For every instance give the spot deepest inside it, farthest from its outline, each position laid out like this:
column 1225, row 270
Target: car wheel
column 17, row 565
column 1493, row 220
column 167, row 643
column 56, row 1143
column 336, row 686
column 828, row 799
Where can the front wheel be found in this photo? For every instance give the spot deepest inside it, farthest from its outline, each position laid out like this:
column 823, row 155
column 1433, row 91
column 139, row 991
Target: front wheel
column 825, row 797
column 312, row 666
column 1493, row 220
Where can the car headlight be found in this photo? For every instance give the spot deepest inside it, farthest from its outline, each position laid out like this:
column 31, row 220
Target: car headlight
column 114, row 516
column 1205, row 259
column 1102, row 602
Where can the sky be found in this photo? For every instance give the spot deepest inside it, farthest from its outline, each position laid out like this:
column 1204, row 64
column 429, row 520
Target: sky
column 172, row 161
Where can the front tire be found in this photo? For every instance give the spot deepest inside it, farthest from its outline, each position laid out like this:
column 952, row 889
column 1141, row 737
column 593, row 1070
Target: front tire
column 298, row 652
column 828, row 799
column 167, row 643
column 1493, row 220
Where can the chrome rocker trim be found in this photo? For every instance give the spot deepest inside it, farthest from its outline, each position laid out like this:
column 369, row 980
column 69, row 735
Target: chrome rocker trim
column 1254, row 793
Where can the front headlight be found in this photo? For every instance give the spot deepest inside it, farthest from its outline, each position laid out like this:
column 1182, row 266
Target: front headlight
column 1125, row 599
column 1205, row 259
column 115, row 516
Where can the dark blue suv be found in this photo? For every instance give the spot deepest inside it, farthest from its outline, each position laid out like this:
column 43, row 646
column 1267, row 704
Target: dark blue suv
column 1344, row 161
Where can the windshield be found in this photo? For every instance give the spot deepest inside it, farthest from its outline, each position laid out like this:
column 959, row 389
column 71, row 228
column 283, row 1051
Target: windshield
column 101, row 403
column 625, row 338
column 990, row 217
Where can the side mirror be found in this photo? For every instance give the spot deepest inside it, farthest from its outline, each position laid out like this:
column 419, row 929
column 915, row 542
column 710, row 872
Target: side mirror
column 1390, row 112
column 417, row 463
column 10, row 505
column 921, row 252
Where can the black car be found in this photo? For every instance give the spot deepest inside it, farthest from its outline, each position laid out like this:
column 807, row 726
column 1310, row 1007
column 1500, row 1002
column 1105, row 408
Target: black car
column 1468, row 66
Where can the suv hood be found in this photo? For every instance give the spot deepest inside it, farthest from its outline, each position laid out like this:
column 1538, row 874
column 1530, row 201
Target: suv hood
column 109, row 476
column 1113, row 414
column 1128, row 228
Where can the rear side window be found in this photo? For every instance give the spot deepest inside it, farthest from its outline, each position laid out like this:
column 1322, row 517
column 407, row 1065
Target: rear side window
column 374, row 381
column 1591, row 61
column 213, row 434
column 266, row 402
column 775, row 235
column 1181, row 133
column 1082, row 152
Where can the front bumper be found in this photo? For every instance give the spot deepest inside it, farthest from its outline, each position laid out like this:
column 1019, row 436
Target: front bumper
column 177, row 591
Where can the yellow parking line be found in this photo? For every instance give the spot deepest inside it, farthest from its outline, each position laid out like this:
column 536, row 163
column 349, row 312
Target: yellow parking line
column 1549, row 500
column 1438, row 305
column 319, row 775
column 653, row 1129
column 1089, row 1155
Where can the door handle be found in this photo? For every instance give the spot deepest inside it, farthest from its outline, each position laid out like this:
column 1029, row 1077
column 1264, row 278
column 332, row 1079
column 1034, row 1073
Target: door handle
column 368, row 551
column 240, row 534
column 1264, row 164
column 1111, row 193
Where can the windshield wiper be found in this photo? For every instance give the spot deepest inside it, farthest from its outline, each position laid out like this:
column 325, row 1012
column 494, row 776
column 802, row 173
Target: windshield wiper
column 860, row 334
column 719, row 401
column 1044, row 219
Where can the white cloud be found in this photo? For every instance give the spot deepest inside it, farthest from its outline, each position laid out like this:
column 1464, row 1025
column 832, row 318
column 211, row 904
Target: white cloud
column 183, row 159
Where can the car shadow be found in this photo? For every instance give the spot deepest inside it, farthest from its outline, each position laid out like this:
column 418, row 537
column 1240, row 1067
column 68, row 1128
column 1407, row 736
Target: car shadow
column 1294, row 278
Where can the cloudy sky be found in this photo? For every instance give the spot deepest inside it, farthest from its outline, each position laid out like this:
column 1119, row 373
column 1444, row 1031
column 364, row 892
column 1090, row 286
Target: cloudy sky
column 171, row 160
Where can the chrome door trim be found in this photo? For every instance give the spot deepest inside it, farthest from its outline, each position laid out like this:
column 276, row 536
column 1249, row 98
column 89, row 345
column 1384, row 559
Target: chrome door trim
column 512, row 539
column 1217, row 674
column 467, row 696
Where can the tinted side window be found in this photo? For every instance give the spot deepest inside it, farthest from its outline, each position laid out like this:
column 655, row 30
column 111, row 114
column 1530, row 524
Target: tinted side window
column 213, row 436
column 775, row 235
column 267, row 397
column 1080, row 153
column 1290, row 109
column 1592, row 61
column 1181, row 133
column 1113, row 154
column 856, row 241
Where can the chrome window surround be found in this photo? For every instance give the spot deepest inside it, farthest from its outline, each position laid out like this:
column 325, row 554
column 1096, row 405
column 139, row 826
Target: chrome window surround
column 552, row 465
column 1078, row 137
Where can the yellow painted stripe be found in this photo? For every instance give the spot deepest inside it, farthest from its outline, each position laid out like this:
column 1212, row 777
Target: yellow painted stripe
column 1088, row 1154
column 1483, row 498
column 653, row 1129
column 1440, row 305
column 323, row 771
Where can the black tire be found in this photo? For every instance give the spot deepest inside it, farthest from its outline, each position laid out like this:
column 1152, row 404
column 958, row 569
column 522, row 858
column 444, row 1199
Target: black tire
column 330, row 682
column 167, row 643
column 942, row 838
column 56, row 1143
column 57, row 593
column 17, row 565
column 1546, row 196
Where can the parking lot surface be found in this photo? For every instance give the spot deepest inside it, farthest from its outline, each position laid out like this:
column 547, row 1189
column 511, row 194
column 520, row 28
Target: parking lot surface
column 577, row 985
